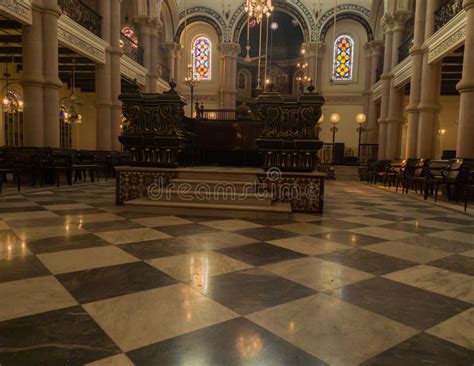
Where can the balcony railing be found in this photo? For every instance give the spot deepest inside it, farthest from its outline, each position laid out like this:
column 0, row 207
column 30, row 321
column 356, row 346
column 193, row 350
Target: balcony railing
column 131, row 49
column 447, row 10
column 404, row 49
column 82, row 15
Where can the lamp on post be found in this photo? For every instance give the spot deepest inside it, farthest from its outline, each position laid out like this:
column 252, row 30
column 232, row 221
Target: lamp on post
column 335, row 119
column 360, row 120
column 191, row 82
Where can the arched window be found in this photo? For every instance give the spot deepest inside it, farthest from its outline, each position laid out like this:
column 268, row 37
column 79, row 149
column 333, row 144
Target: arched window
column 202, row 58
column 343, row 58
column 130, row 35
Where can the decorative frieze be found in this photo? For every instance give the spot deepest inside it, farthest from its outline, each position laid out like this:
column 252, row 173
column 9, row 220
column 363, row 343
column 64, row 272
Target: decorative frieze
column 447, row 39
column 79, row 39
column 343, row 99
column 19, row 10
column 402, row 72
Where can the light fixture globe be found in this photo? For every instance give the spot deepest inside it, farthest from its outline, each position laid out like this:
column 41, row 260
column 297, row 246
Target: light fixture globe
column 361, row 118
column 335, row 118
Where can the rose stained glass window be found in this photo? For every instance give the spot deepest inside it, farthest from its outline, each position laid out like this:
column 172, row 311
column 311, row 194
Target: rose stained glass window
column 202, row 58
column 343, row 58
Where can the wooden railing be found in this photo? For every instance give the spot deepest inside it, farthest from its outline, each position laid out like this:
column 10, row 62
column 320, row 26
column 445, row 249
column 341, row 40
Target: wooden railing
column 82, row 14
column 447, row 10
column 216, row 114
column 131, row 49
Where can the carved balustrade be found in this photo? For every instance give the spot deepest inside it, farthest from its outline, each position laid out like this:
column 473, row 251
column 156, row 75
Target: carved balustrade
column 131, row 49
column 447, row 10
column 82, row 14
column 404, row 49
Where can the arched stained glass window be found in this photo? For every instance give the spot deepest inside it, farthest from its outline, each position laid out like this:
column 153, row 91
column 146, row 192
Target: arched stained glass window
column 343, row 58
column 202, row 58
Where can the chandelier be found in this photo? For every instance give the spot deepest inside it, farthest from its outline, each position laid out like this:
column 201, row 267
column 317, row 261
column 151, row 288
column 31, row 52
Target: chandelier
column 11, row 101
column 67, row 109
column 258, row 8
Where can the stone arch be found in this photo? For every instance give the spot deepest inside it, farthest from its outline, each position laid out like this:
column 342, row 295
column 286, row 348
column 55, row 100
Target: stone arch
column 199, row 18
column 295, row 8
column 352, row 12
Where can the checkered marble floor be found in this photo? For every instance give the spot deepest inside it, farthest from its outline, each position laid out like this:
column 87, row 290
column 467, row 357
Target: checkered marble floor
column 379, row 279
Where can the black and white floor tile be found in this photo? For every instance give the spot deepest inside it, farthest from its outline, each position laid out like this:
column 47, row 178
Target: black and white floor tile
column 379, row 279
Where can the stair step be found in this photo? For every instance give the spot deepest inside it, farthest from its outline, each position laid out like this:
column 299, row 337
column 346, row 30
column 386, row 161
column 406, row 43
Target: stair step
column 222, row 185
column 276, row 211
column 208, row 196
column 218, row 175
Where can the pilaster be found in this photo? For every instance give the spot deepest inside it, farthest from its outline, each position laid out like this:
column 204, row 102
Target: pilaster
column 230, row 52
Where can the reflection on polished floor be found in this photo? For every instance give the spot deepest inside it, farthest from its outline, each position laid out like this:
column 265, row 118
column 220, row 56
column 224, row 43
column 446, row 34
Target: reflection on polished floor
column 379, row 279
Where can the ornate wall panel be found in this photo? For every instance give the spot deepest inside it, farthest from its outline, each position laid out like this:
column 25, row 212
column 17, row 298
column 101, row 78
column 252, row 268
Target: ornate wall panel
column 19, row 10
column 79, row 39
column 448, row 38
column 343, row 99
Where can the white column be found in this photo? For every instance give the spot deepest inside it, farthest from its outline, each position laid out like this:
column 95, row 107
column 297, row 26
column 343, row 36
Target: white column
column 395, row 108
column 416, row 54
column 230, row 52
column 103, row 85
column 371, row 135
column 386, row 78
column 115, row 86
column 52, row 83
column 319, row 67
column 145, row 43
column 32, row 80
column 465, row 142
column 430, row 90
column 153, row 71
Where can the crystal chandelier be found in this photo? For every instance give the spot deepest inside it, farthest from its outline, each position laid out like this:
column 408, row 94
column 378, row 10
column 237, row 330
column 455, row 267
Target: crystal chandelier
column 258, row 8
column 11, row 101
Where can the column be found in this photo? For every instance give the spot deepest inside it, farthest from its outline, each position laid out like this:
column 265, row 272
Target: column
column 115, row 56
column 416, row 53
column 171, row 50
column 102, row 85
column 32, row 80
column 371, row 135
column 430, row 89
column 386, row 78
column 153, row 71
column 145, row 42
column 52, row 83
column 465, row 141
column 395, row 111
column 230, row 52
column 321, row 47
column 313, row 58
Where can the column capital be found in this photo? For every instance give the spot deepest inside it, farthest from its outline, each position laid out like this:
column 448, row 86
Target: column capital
column 374, row 48
column 387, row 23
column 230, row 49
column 399, row 20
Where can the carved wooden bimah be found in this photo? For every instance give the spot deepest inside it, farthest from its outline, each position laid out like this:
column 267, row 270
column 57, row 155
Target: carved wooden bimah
column 157, row 134
column 289, row 140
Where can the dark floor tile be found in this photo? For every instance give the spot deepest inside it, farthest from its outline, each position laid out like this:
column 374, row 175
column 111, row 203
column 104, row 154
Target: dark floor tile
column 452, row 220
column 200, row 218
column 349, row 238
column 26, row 223
column 234, row 342
column 97, row 227
column 266, row 233
column 61, row 337
column 424, row 349
column 456, row 263
column 21, row 209
column 103, row 283
column 157, row 248
column 338, row 224
column 252, row 290
column 391, row 217
column 19, row 268
column 80, row 211
column 270, row 222
column 363, row 260
column 368, row 204
column 410, row 228
column 409, row 305
column 466, row 229
column 451, row 246
column 186, row 229
column 260, row 254
column 58, row 202
column 135, row 215
column 59, row 243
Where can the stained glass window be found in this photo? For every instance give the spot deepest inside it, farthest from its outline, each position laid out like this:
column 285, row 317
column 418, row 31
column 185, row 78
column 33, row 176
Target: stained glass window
column 202, row 58
column 343, row 58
